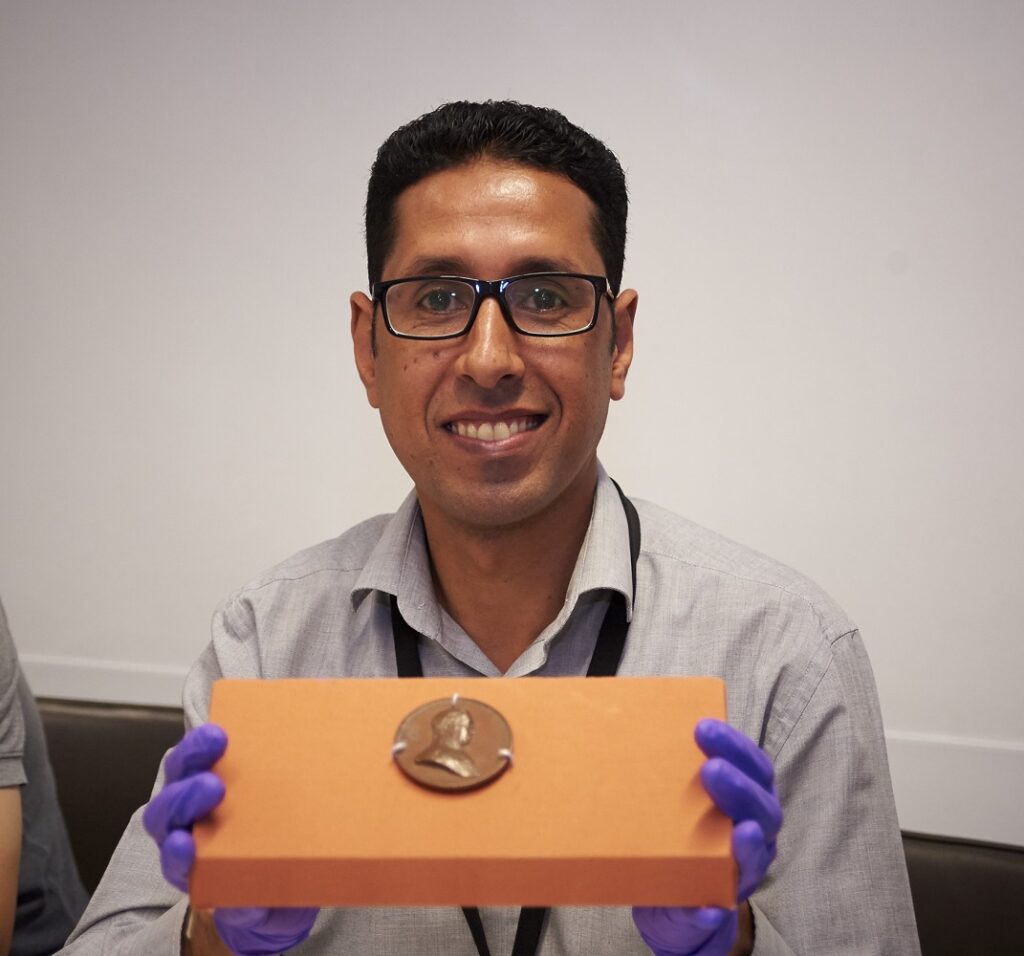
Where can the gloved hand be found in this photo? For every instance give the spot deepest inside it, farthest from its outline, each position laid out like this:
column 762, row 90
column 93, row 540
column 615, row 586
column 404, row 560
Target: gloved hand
column 190, row 792
column 738, row 777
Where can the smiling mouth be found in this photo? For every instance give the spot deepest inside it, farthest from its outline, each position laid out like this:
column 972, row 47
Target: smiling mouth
column 494, row 431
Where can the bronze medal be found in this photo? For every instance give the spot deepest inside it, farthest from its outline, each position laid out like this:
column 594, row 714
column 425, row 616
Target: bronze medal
column 453, row 744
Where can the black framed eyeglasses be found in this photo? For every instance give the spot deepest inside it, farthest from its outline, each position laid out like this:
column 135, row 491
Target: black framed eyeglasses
column 444, row 307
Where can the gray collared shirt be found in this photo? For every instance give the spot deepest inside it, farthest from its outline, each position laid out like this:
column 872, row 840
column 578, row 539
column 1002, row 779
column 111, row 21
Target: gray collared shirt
column 797, row 678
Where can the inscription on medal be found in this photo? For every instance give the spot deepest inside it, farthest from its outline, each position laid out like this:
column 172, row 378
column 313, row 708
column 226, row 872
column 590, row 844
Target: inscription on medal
column 453, row 744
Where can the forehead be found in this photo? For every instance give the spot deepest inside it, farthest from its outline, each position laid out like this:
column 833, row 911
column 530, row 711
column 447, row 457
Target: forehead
column 490, row 219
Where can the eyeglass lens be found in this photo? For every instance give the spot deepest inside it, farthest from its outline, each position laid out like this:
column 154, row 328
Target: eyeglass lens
column 544, row 305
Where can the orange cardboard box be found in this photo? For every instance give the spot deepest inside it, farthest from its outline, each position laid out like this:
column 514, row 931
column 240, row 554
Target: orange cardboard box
column 601, row 805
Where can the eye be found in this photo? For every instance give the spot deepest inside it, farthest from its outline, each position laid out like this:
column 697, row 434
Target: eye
column 544, row 300
column 440, row 300
column 536, row 297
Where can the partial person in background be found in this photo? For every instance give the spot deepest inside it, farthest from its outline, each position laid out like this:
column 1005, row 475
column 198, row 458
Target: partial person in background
column 41, row 896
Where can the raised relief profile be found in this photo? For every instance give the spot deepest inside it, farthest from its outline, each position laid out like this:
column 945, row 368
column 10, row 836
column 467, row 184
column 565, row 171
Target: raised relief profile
column 453, row 744
column 453, row 730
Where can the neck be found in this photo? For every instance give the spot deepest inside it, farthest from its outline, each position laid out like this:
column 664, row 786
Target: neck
column 504, row 586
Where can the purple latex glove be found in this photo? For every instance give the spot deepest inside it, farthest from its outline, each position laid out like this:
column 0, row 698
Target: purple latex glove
column 739, row 778
column 190, row 792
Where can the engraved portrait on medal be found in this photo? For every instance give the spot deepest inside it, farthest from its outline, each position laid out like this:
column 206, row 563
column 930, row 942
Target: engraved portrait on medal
column 453, row 744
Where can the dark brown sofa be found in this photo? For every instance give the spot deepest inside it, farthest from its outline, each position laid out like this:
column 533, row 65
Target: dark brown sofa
column 105, row 758
column 967, row 895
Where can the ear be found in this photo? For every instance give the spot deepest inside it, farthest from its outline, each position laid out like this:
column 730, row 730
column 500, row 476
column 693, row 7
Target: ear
column 622, row 348
column 362, row 344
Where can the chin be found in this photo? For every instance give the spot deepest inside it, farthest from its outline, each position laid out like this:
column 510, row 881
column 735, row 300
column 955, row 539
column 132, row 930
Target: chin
column 496, row 506
column 495, row 514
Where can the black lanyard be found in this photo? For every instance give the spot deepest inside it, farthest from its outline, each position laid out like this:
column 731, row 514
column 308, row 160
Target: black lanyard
column 604, row 663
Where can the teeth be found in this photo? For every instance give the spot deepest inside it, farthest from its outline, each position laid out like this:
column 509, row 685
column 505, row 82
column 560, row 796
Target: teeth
column 493, row 431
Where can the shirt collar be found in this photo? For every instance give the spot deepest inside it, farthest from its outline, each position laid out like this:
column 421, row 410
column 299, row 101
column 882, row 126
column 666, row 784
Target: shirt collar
column 399, row 563
column 604, row 561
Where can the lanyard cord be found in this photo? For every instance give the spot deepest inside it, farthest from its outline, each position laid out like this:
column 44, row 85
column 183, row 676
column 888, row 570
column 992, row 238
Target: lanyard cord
column 604, row 663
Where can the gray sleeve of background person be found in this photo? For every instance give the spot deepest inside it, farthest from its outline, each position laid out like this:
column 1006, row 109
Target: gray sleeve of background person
column 839, row 884
column 50, row 894
column 12, row 726
column 51, row 897
column 134, row 911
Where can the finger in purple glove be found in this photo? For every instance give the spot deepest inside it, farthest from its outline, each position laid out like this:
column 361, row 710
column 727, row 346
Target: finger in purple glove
column 197, row 751
column 180, row 804
column 716, row 738
column 741, row 798
column 753, row 855
column 177, row 854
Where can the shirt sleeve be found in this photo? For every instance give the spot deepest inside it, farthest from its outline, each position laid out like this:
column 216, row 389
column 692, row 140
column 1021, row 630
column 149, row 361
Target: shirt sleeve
column 839, row 883
column 12, row 724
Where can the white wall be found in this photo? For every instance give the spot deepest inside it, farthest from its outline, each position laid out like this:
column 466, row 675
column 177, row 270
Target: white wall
column 826, row 233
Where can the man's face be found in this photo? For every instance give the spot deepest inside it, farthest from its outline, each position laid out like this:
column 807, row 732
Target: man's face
column 490, row 220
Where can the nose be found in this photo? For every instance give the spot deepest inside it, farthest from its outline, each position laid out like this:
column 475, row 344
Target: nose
column 492, row 349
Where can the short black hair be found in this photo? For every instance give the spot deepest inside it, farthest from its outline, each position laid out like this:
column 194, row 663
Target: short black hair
column 458, row 133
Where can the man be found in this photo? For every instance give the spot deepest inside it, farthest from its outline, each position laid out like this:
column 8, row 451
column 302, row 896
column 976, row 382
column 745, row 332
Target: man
column 41, row 896
column 495, row 334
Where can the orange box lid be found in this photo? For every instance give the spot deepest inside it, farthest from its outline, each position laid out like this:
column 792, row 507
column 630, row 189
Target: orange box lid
column 601, row 805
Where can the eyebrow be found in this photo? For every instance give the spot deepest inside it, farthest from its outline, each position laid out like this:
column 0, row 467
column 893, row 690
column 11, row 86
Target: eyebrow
column 440, row 265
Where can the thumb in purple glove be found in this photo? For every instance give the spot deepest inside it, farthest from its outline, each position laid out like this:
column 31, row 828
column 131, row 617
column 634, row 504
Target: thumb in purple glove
column 682, row 931
column 263, row 932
